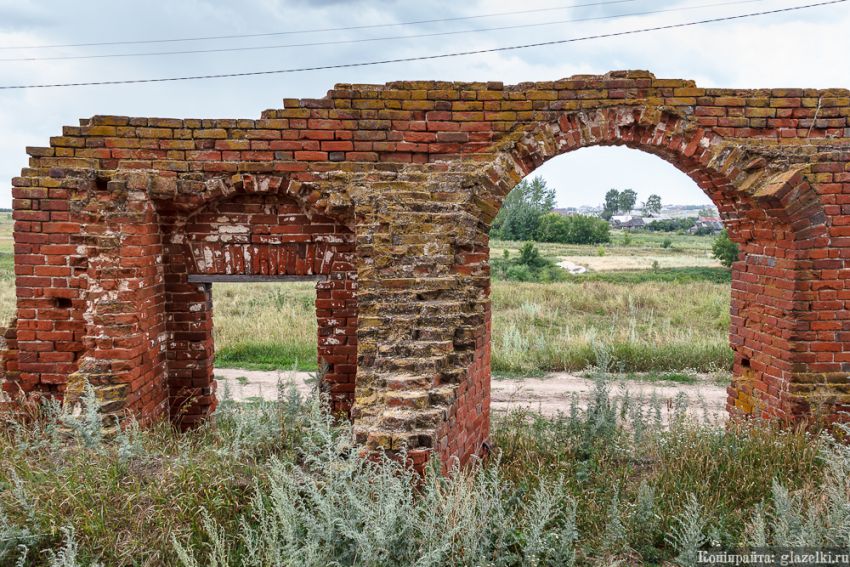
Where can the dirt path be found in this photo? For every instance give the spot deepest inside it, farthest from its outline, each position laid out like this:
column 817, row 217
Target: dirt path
column 553, row 393
column 548, row 395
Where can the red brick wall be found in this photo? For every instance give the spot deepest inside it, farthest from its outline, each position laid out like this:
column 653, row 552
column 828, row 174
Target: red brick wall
column 467, row 428
column 416, row 172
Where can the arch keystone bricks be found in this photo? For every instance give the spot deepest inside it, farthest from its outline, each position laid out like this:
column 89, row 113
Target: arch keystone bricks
column 386, row 194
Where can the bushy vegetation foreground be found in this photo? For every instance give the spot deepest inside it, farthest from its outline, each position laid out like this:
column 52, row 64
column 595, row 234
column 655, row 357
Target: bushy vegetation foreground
column 623, row 481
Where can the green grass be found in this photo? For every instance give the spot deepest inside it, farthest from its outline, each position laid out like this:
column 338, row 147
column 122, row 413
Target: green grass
column 663, row 275
column 267, row 356
column 640, row 327
column 686, row 243
column 266, row 473
column 641, row 243
column 136, row 504
column 7, row 269
column 644, row 325
column 265, row 326
column 723, row 468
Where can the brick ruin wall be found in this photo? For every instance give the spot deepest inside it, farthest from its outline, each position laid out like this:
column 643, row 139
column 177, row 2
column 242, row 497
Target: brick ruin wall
column 387, row 192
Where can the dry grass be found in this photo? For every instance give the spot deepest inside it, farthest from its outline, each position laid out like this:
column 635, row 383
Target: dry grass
column 641, row 327
column 536, row 327
column 641, row 262
column 7, row 270
column 7, row 299
column 129, row 499
column 622, row 244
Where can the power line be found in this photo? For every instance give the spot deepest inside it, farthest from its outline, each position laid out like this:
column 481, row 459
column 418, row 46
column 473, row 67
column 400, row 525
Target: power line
column 424, row 57
column 321, row 30
column 373, row 39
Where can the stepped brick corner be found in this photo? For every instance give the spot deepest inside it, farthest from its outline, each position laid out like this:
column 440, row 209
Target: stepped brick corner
column 385, row 193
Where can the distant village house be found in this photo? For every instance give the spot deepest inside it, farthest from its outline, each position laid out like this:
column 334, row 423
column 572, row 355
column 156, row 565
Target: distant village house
column 707, row 225
column 627, row 222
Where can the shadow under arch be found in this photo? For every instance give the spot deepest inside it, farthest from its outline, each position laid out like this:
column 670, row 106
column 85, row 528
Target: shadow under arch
column 768, row 205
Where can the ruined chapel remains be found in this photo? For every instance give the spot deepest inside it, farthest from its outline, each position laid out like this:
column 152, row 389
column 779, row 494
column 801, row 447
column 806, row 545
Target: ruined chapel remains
column 385, row 194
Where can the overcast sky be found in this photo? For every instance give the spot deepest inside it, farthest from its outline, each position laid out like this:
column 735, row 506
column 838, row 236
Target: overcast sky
column 806, row 48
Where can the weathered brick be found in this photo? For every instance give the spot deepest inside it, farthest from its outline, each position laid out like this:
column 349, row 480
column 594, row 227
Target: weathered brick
column 404, row 310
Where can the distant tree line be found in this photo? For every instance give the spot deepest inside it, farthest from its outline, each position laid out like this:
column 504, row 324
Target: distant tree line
column 671, row 225
column 526, row 214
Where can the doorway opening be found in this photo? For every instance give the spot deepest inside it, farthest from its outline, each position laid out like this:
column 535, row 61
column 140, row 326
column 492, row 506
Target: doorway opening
column 603, row 261
column 255, row 285
column 264, row 332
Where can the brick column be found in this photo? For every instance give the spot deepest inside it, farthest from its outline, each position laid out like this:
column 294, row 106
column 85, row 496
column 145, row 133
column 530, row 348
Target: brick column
column 336, row 316
column 420, row 319
column 124, row 302
column 45, row 343
column 9, row 391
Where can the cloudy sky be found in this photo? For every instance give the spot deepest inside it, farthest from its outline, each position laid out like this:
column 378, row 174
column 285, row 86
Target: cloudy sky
column 806, row 48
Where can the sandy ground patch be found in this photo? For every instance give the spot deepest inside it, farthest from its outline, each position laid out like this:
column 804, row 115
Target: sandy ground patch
column 548, row 395
column 553, row 394
column 611, row 263
column 572, row 267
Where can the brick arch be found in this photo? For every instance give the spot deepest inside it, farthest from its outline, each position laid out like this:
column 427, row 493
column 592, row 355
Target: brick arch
column 770, row 208
column 416, row 170
column 256, row 229
column 178, row 199
column 744, row 185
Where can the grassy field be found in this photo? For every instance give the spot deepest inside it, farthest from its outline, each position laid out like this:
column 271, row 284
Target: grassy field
column 7, row 269
column 276, row 483
column 636, row 321
column 623, row 245
column 671, row 318
column 265, row 326
column 647, row 326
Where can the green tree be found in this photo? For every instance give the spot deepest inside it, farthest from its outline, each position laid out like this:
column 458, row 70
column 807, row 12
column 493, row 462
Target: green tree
column 611, row 205
column 529, row 255
column 627, row 200
column 574, row 229
column 652, row 205
column 588, row 230
column 520, row 214
column 553, row 228
column 724, row 249
column 527, row 266
column 671, row 225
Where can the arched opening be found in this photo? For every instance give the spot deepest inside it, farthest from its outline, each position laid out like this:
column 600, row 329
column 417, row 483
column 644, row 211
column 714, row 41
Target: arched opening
column 601, row 259
column 230, row 247
column 771, row 213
